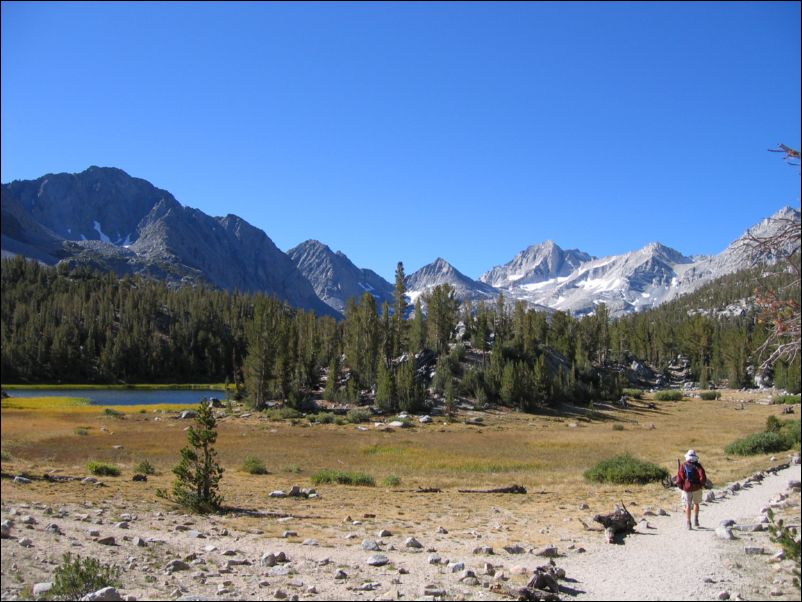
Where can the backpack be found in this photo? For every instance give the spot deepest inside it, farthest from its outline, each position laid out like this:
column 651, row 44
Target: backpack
column 692, row 475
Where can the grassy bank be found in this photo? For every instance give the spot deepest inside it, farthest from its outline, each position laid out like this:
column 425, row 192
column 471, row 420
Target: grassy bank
column 141, row 387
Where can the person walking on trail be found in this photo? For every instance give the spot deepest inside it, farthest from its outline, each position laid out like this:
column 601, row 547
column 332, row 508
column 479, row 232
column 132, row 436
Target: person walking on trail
column 691, row 479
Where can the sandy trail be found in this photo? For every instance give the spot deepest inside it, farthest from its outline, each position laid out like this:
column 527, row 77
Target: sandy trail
column 669, row 562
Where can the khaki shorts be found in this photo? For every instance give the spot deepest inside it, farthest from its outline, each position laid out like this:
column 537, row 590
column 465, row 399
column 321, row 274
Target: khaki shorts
column 692, row 497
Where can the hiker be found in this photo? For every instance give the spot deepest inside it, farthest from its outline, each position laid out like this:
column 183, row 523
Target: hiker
column 691, row 479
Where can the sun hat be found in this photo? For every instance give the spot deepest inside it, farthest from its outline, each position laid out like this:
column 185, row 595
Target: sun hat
column 691, row 456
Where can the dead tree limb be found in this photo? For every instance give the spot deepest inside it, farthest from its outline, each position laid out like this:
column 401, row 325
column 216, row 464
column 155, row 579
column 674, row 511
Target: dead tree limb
column 510, row 489
column 620, row 521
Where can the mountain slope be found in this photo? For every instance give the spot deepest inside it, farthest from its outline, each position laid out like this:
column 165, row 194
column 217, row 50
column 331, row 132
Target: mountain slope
column 335, row 278
column 105, row 219
column 441, row 272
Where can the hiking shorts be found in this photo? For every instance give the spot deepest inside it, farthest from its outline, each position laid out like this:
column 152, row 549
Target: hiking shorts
column 692, row 497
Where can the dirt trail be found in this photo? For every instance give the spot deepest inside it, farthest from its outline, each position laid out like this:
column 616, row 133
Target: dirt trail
column 668, row 562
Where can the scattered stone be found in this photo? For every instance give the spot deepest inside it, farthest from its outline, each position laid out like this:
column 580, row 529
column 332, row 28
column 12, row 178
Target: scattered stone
column 105, row 594
column 516, row 549
column 139, row 542
column 176, row 565
column 547, row 552
column 724, row 533
column 434, row 559
column 411, row 542
column 40, row 589
column 456, row 567
column 442, row 531
column 370, row 545
column 340, row 574
column 483, row 550
column 385, row 533
column 377, row 560
column 278, row 493
column 22, row 480
column 287, row 534
column 107, row 541
column 5, row 530
column 434, row 591
column 723, row 595
column 754, row 550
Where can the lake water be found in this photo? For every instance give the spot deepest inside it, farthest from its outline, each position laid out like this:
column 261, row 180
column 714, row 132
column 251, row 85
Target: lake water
column 124, row 397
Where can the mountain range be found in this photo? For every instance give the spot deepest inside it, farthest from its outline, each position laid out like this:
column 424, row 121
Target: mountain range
column 105, row 219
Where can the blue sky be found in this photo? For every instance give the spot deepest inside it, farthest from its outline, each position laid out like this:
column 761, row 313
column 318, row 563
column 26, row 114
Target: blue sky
column 416, row 130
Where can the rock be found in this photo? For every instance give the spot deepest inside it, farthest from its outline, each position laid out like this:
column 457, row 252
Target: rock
column 385, row 533
column 724, row 533
column 547, row 552
column 139, row 542
column 434, row 559
column 5, row 530
column 340, row 574
column 268, row 560
column 483, row 550
column 442, row 531
column 187, row 414
column 26, row 542
column 425, row 419
column 516, row 549
column 723, row 595
column 456, row 567
column 107, row 593
column 278, row 493
column 287, row 534
column 39, row 589
column 370, row 545
column 22, row 480
column 435, row 591
column 519, row 570
column 54, row 528
column 377, row 560
column 107, row 541
column 754, row 550
column 411, row 542
column 176, row 565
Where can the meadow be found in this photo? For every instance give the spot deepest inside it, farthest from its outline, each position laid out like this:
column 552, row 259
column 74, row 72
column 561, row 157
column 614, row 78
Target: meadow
column 546, row 453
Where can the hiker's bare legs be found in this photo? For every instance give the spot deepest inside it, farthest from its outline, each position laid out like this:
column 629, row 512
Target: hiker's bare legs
column 695, row 515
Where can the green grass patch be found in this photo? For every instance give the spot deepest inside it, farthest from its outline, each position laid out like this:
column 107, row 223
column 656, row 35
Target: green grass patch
column 788, row 399
column 669, row 396
column 780, row 435
column 633, row 393
column 625, row 469
column 358, row 415
column 343, row 478
column 141, row 387
column 103, row 469
column 253, row 465
column 391, row 481
column 710, row 395
column 82, row 431
column 43, row 403
column 6, row 456
column 292, row 468
column 618, row 427
column 113, row 413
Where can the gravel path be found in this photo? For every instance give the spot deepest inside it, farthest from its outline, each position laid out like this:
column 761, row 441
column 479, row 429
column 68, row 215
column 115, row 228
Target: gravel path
column 668, row 562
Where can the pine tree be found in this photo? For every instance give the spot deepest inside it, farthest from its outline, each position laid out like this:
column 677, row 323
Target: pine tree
column 198, row 474
column 399, row 313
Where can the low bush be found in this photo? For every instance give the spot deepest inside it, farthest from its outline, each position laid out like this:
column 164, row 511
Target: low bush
column 392, row 481
column 77, row 578
column 282, row 414
column 102, row 469
column 343, row 478
column 757, row 443
column 618, row 427
column 321, row 418
column 293, row 468
column 626, row 469
column 83, row 431
column 358, row 415
column 633, row 393
column 786, row 399
column 113, row 413
column 710, row 395
column 145, row 467
column 669, row 396
column 253, row 465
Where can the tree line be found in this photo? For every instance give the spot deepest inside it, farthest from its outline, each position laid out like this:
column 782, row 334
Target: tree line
column 74, row 325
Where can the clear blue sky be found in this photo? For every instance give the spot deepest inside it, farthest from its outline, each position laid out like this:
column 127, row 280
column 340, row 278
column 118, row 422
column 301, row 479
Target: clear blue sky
column 416, row 130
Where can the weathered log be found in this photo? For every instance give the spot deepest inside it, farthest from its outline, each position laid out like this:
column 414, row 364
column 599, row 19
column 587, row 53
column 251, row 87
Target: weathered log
column 510, row 489
column 620, row 521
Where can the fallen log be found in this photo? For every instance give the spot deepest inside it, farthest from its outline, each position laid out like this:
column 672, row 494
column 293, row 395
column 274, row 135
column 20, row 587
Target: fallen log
column 619, row 521
column 510, row 489
column 542, row 586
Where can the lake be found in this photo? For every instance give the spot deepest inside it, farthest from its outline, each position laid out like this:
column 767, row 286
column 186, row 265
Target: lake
column 125, row 397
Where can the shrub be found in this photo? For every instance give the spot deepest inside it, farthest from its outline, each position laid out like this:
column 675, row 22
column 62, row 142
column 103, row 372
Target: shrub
column 103, row 469
column 294, row 468
column 710, row 395
column 343, row 478
column 788, row 538
column 83, row 431
column 786, row 399
column 322, row 418
column 392, row 481
column 113, row 413
column 757, row 443
column 145, row 467
column 626, row 469
column 618, row 427
column 358, row 415
column 74, row 579
column 284, row 413
column 253, row 465
column 633, row 393
column 6, row 456
column 669, row 396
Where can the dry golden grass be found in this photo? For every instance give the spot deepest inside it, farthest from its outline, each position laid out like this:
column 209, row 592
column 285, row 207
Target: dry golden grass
column 545, row 453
